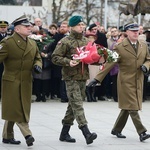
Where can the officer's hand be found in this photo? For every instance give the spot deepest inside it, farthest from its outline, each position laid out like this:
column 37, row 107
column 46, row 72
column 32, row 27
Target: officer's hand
column 37, row 69
column 144, row 69
column 93, row 83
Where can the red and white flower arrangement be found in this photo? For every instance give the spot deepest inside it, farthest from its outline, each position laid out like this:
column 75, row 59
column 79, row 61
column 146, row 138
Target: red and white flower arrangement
column 93, row 53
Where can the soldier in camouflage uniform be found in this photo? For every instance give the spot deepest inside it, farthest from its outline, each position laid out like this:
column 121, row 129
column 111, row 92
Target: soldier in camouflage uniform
column 75, row 79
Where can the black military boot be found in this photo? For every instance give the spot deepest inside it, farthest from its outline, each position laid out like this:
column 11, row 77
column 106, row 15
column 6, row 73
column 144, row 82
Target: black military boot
column 29, row 140
column 64, row 136
column 88, row 95
column 144, row 136
column 38, row 97
column 93, row 94
column 11, row 141
column 43, row 97
column 88, row 135
column 118, row 134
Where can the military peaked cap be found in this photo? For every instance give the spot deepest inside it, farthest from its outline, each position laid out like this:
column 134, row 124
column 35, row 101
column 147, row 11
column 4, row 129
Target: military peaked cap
column 21, row 21
column 3, row 23
column 131, row 26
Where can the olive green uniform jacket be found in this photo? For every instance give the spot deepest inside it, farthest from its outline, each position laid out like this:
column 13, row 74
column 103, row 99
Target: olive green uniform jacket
column 130, row 76
column 19, row 57
column 63, row 54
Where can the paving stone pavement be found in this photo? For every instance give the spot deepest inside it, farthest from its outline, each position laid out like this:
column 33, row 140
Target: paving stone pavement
column 45, row 123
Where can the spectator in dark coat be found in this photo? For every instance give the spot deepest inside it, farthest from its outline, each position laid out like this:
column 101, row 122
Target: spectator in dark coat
column 52, row 29
column 3, row 34
column 42, row 81
column 58, row 86
column 38, row 22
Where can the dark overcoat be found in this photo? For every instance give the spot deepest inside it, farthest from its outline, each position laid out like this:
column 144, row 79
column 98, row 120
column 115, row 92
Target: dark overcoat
column 19, row 57
column 130, row 76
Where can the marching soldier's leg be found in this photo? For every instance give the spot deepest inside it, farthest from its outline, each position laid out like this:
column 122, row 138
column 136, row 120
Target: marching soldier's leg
column 76, row 102
column 67, row 121
column 141, row 130
column 24, row 128
column 8, row 133
column 120, row 123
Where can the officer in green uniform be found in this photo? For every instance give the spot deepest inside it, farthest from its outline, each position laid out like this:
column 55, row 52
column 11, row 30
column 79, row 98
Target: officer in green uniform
column 20, row 56
column 133, row 61
column 75, row 76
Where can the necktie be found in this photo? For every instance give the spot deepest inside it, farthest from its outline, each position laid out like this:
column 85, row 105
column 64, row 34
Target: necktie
column 134, row 45
column 3, row 35
column 135, row 48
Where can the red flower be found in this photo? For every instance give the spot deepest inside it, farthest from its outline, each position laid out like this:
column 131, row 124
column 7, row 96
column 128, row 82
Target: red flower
column 87, row 54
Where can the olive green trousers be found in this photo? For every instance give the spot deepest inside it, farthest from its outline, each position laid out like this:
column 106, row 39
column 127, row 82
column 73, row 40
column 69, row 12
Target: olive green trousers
column 8, row 131
column 123, row 117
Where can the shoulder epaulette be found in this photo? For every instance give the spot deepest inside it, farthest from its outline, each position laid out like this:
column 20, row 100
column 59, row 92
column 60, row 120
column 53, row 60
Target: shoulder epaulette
column 7, row 37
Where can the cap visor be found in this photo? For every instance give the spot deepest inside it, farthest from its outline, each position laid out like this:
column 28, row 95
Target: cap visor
column 133, row 29
column 26, row 24
column 4, row 26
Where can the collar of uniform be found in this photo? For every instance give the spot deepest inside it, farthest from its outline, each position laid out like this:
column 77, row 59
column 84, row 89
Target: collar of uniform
column 76, row 35
column 133, row 43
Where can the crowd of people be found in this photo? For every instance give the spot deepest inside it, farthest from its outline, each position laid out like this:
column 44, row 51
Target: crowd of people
column 46, row 54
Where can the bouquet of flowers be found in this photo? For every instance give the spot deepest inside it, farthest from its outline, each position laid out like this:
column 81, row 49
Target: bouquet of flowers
column 87, row 54
column 92, row 53
column 109, row 55
column 42, row 41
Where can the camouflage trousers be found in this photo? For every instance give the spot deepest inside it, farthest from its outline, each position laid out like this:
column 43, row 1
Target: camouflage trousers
column 75, row 108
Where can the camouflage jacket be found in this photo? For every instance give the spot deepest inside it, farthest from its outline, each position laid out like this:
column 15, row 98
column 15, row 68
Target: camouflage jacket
column 63, row 54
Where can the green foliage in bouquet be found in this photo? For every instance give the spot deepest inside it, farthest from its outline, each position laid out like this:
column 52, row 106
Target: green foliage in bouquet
column 44, row 42
column 109, row 55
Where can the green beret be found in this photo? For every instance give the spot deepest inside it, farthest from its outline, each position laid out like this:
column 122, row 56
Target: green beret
column 74, row 20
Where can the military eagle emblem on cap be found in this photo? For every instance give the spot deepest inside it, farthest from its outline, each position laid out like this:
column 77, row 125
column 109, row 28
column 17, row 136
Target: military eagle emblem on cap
column 81, row 19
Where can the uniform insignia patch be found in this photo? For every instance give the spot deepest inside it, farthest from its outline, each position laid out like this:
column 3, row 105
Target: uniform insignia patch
column 1, row 47
column 59, row 42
